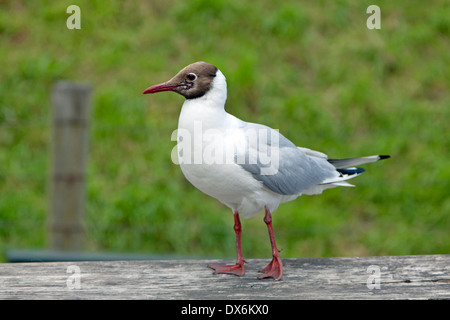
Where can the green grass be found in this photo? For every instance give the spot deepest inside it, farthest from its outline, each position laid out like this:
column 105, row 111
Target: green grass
column 312, row 69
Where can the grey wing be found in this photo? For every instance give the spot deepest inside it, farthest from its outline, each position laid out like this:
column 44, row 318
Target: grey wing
column 279, row 164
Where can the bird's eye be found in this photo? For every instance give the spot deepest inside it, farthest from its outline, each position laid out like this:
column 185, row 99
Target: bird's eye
column 191, row 76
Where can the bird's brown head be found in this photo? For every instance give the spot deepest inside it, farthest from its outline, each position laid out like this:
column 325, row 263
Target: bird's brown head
column 191, row 82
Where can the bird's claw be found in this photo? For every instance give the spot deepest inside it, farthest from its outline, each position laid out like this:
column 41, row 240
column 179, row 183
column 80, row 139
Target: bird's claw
column 273, row 270
column 234, row 269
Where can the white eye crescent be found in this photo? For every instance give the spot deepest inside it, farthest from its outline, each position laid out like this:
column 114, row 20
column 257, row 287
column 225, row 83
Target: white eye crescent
column 191, row 76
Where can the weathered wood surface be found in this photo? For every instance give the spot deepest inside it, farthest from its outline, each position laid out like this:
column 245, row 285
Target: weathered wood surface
column 399, row 277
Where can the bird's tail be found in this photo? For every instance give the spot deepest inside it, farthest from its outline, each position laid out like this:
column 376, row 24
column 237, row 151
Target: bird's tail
column 349, row 162
column 347, row 171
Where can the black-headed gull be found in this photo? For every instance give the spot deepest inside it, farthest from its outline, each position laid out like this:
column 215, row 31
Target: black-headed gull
column 246, row 166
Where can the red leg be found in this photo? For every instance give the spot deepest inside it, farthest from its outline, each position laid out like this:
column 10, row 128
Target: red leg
column 275, row 268
column 238, row 268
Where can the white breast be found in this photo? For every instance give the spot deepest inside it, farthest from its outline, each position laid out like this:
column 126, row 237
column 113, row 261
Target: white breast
column 205, row 133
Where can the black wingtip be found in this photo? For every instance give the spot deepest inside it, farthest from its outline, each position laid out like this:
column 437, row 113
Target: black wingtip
column 384, row 157
column 351, row 171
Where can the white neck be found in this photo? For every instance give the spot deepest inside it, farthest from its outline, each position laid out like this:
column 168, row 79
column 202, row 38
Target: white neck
column 209, row 108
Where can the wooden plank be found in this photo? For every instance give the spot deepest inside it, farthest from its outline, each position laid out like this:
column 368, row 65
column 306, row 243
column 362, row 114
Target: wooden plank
column 399, row 277
column 70, row 139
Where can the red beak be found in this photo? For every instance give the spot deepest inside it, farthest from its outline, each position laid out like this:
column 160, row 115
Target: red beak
column 160, row 88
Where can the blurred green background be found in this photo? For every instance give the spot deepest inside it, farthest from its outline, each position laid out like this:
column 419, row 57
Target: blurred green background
column 311, row 68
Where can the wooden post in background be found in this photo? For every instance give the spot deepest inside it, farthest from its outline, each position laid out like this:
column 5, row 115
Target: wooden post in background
column 70, row 139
